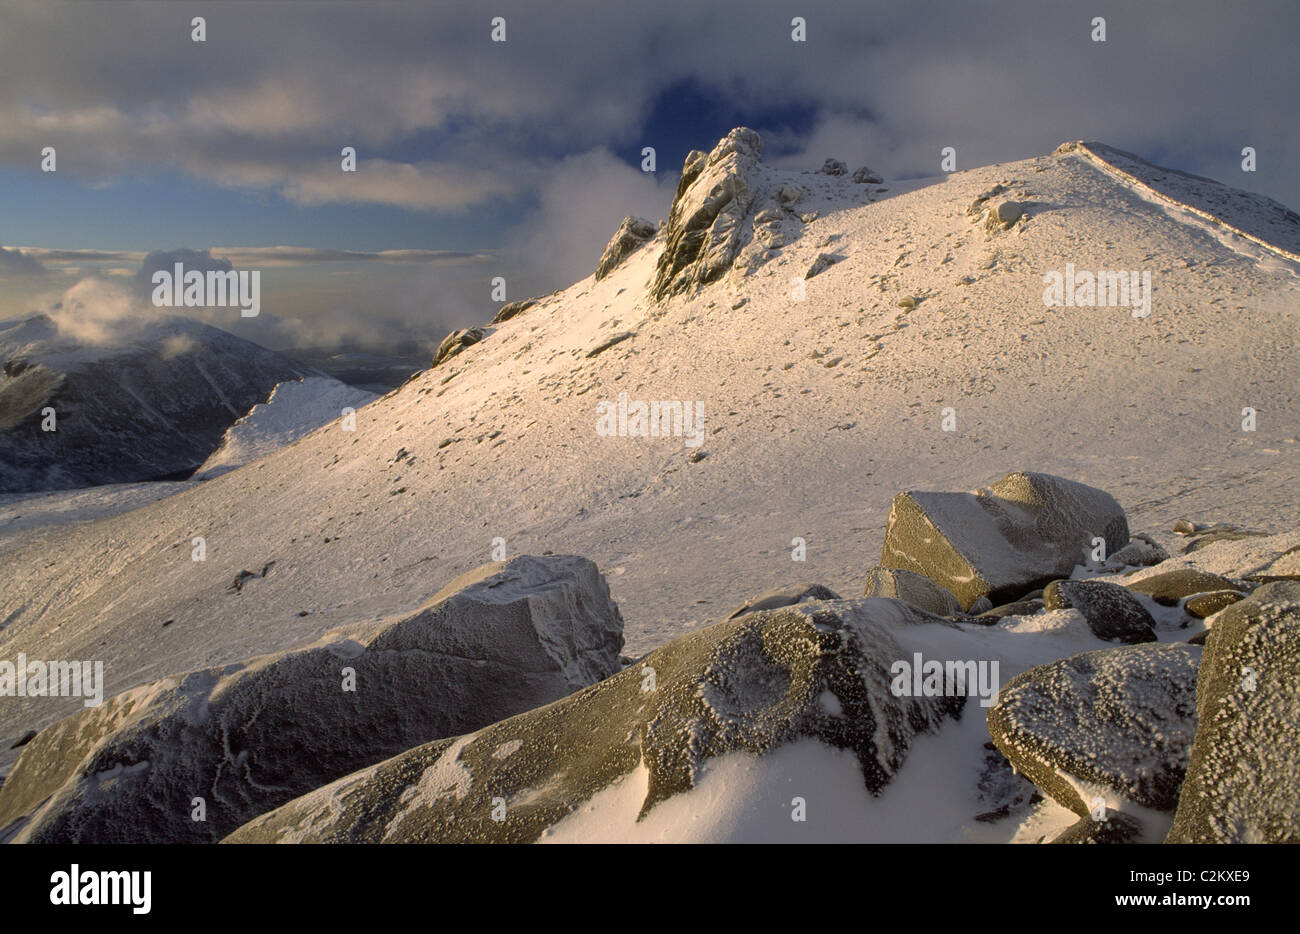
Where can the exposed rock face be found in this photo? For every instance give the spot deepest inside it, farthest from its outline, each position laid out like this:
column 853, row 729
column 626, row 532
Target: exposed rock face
column 630, row 236
column 248, row 737
column 914, row 588
column 1241, row 784
column 1112, row 612
column 1115, row 724
column 823, row 262
column 706, row 224
column 786, row 596
column 455, row 342
column 511, row 309
column 752, row 684
column 1020, row 533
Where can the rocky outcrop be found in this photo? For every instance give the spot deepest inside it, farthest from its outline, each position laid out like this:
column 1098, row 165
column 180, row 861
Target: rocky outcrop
column 246, row 737
column 631, row 235
column 814, row 673
column 864, row 176
column 455, row 342
column 1004, row 540
column 1241, row 782
column 512, row 309
column 1105, row 729
column 706, row 226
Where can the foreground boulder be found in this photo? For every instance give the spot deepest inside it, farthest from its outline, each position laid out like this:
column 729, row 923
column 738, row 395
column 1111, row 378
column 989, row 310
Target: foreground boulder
column 630, row 236
column 1241, row 784
column 816, row 675
column 1004, row 540
column 1112, row 727
column 247, row 737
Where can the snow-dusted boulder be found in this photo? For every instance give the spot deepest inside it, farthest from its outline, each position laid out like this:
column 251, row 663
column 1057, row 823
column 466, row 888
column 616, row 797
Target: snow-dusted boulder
column 1241, row 783
column 833, row 167
column 294, row 409
column 250, row 736
column 786, row 596
column 1112, row 727
column 630, row 236
column 1018, row 534
column 457, row 341
column 864, row 176
column 914, row 588
column 1169, row 587
column 1112, row 612
column 706, row 224
column 749, row 696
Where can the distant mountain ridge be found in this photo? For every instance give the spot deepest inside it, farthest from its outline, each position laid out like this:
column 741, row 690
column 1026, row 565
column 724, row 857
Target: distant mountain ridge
column 149, row 407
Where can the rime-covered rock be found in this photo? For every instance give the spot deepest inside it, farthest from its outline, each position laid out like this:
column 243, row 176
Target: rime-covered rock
column 1112, row 612
column 1116, row 828
column 1141, row 551
column 1018, row 534
column 864, row 176
column 631, row 235
column 247, row 737
column 457, row 341
column 706, row 225
column 1114, row 724
column 833, row 167
column 914, row 588
column 1241, row 783
column 814, row 672
column 786, row 596
column 1169, row 588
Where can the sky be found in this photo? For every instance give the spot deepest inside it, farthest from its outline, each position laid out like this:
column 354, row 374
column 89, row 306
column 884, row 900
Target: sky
column 478, row 159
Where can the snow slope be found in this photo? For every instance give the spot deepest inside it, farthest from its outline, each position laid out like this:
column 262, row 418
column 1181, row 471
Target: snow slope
column 816, row 412
column 293, row 409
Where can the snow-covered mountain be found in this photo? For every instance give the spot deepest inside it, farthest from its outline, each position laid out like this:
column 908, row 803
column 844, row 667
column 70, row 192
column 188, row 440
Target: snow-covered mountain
column 293, row 409
column 837, row 340
column 152, row 405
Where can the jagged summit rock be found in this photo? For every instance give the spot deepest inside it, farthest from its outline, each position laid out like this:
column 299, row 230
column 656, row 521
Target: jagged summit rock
column 705, row 227
column 631, row 235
